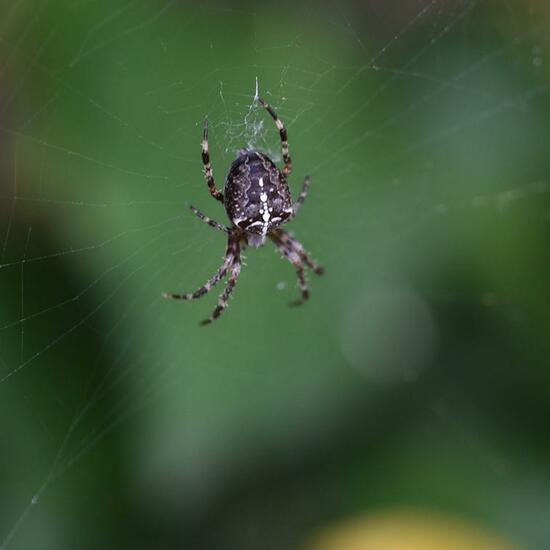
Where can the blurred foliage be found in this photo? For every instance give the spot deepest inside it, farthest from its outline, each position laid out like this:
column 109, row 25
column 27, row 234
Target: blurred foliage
column 406, row 531
column 415, row 378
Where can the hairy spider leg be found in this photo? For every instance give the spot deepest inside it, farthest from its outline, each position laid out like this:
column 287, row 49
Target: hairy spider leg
column 301, row 197
column 297, row 246
column 214, row 191
column 228, row 261
column 209, row 221
column 295, row 260
column 284, row 136
column 230, row 285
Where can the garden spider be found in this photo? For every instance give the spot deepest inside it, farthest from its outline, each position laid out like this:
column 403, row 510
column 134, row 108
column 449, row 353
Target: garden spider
column 258, row 202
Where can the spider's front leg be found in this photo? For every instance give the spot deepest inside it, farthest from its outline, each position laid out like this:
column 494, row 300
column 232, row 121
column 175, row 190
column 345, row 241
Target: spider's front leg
column 212, row 282
column 293, row 257
column 229, row 287
column 297, row 246
column 214, row 191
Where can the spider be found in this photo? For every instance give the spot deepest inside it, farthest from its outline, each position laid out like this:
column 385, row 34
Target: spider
column 258, row 202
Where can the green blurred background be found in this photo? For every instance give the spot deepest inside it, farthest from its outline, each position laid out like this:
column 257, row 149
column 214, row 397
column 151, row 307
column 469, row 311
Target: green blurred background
column 416, row 381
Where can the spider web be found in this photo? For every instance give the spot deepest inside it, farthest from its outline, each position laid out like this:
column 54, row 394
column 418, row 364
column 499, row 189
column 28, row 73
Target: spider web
column 409, row 120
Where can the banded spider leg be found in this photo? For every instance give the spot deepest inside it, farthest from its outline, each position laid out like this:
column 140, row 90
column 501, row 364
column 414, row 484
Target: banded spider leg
column 283, row 135
column 295, row 253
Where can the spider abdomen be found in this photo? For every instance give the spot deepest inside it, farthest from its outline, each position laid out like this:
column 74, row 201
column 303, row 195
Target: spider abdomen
column 257, row 197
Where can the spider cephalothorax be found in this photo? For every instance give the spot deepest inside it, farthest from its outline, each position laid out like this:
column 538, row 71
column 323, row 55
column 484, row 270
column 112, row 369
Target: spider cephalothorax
column 258, row 202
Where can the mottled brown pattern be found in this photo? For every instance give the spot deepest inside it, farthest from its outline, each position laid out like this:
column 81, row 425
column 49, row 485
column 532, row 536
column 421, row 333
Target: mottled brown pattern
column 243, row 193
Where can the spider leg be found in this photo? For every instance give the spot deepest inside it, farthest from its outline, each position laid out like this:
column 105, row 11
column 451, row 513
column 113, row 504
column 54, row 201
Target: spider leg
column 293, row 257
column 297, row 246
column 212, row 282
column 209, row 221
column 284, row 137
column 214, row 191
column 301, row 197
column 231, row 282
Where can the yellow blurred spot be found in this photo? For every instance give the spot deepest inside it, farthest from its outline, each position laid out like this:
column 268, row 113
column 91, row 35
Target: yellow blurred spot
column 406, row 530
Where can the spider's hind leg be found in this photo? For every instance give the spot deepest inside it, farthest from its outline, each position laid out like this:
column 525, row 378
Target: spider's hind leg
column 214, row 191
column 301, row 197
column 283, row 135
